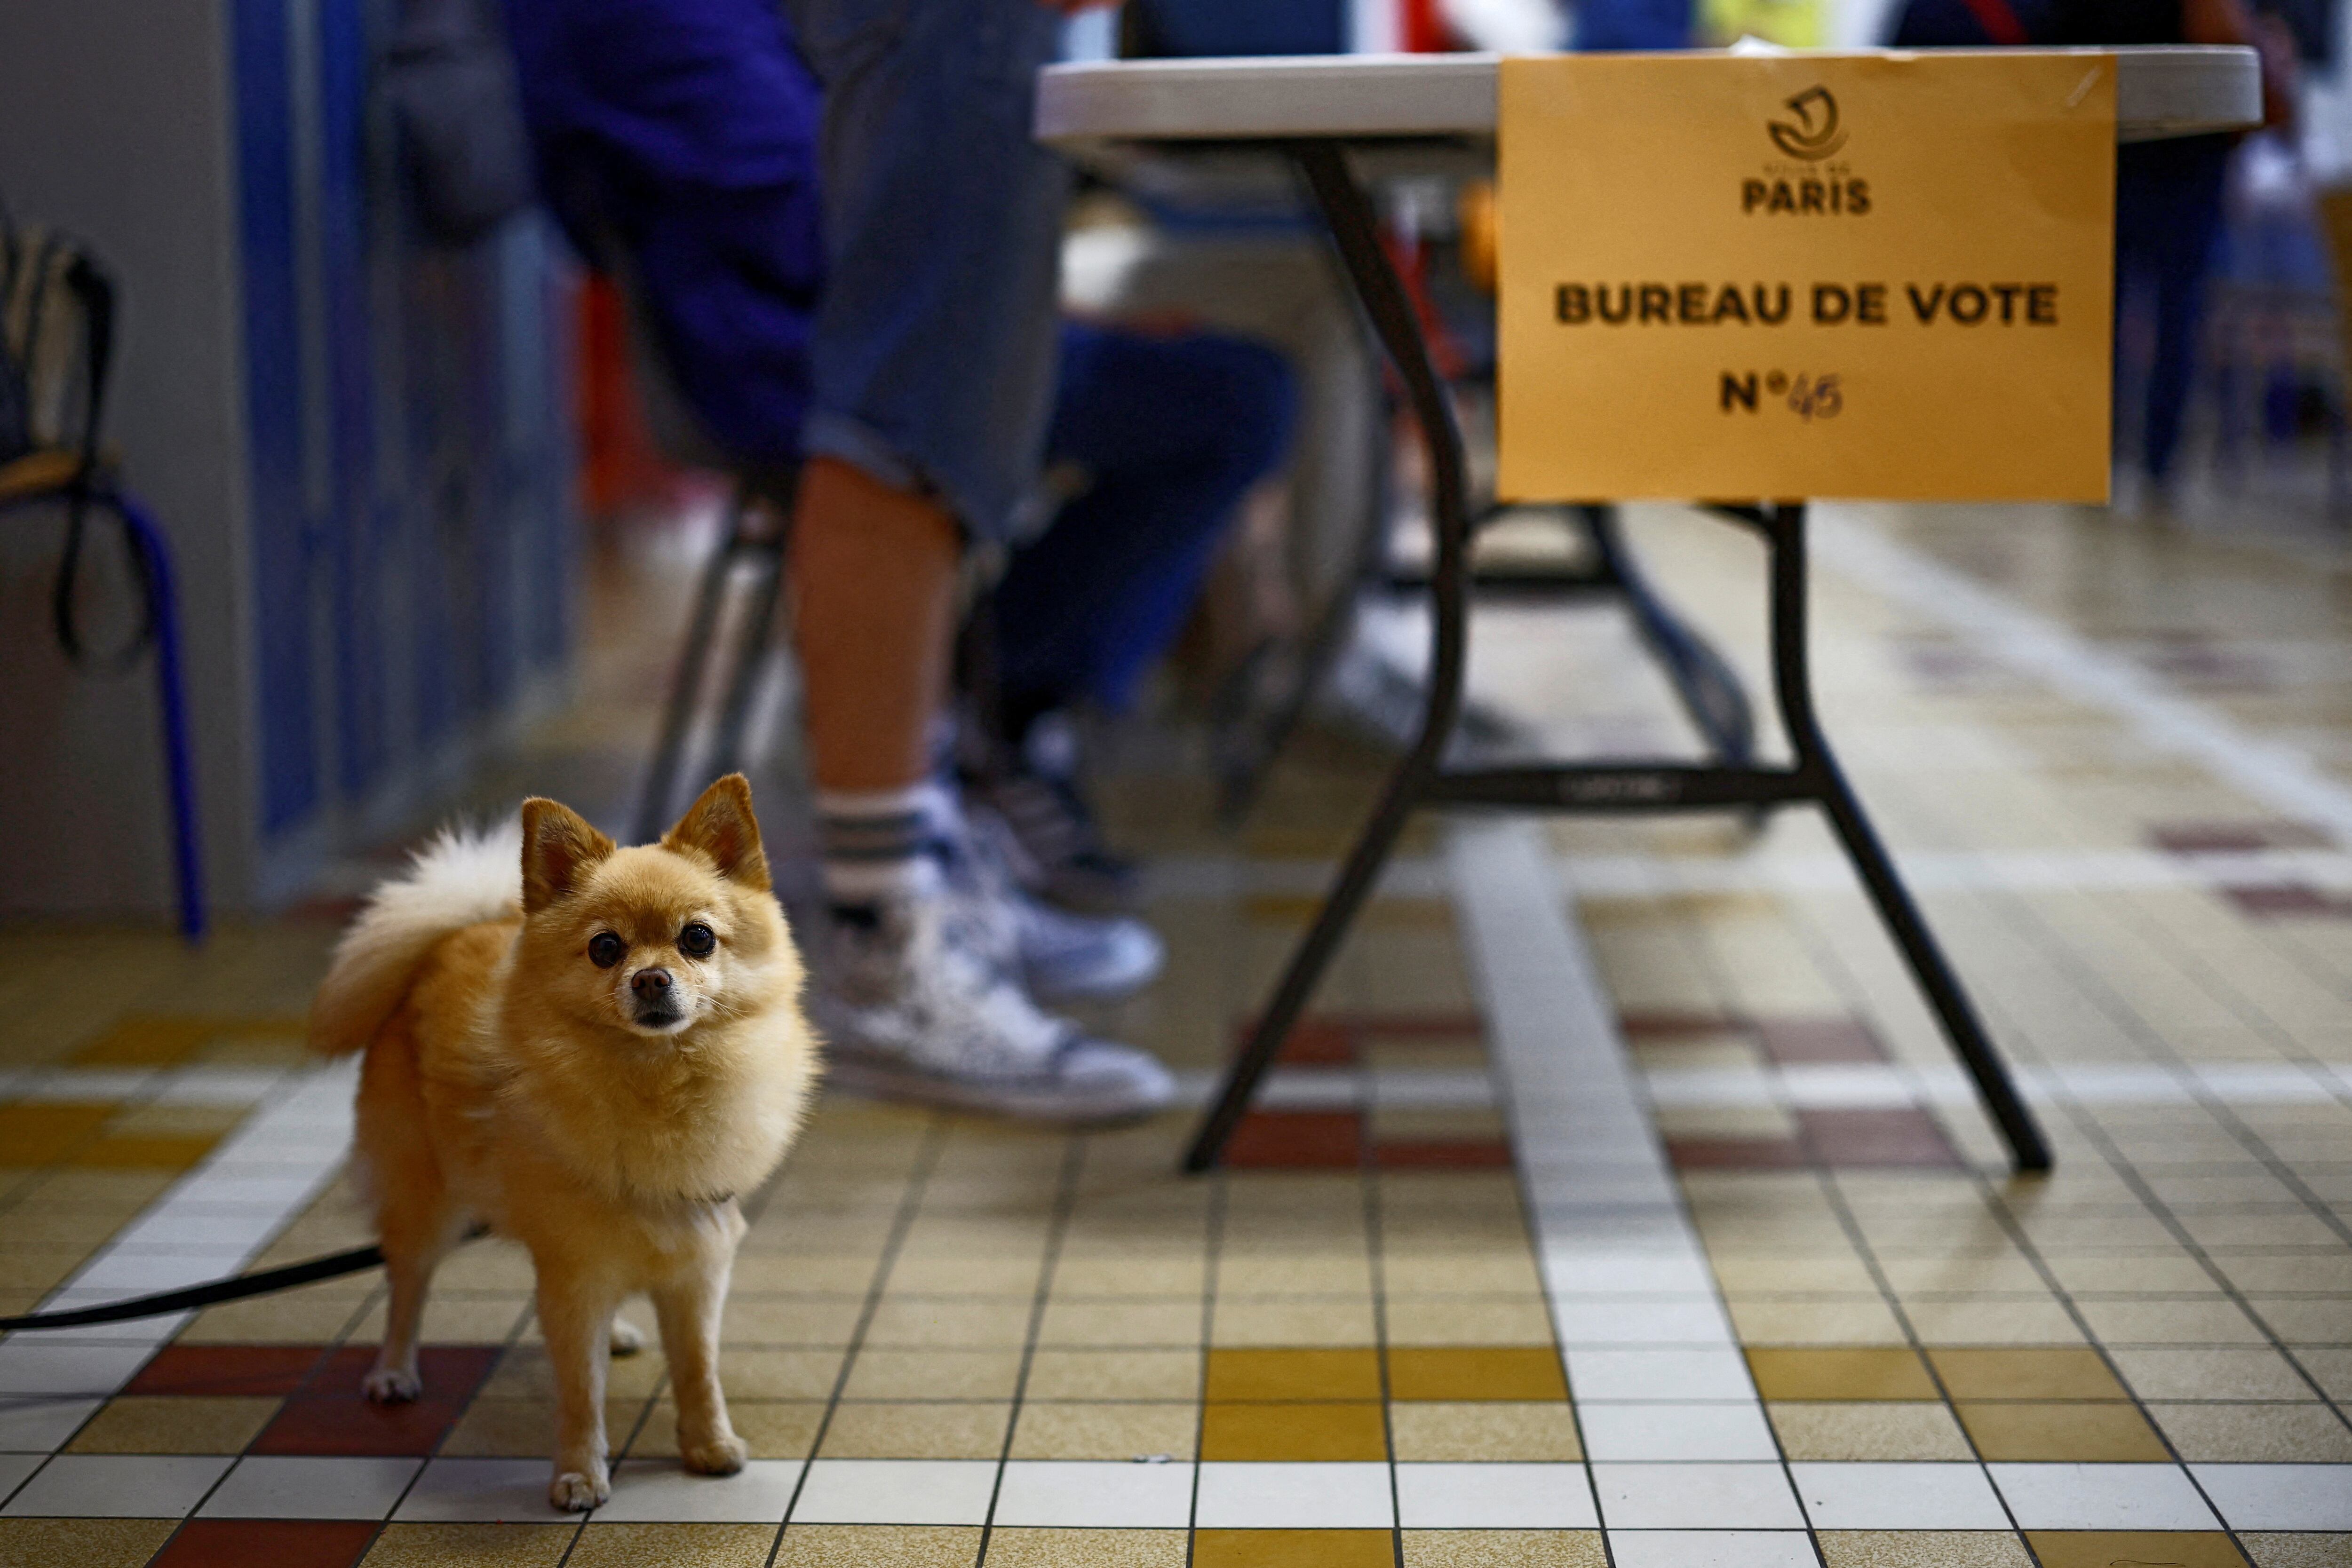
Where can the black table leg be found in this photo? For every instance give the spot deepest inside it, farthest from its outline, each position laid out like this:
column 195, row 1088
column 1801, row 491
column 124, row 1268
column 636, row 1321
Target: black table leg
column 1355, row 229
column 1709, row 690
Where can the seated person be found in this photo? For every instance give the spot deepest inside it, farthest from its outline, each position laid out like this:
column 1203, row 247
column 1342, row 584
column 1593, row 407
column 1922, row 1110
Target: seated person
column 1157, row 437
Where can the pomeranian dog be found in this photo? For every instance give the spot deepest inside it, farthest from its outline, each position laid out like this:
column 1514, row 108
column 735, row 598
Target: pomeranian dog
column 593, row 1050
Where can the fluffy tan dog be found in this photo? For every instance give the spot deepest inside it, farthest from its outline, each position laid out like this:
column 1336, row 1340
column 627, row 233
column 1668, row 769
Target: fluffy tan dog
column 593, row 1059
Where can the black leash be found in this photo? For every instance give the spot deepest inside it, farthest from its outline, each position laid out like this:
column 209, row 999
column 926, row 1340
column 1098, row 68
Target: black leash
column 235, row 1288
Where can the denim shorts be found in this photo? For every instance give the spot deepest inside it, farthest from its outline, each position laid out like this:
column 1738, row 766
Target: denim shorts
column 932, row 356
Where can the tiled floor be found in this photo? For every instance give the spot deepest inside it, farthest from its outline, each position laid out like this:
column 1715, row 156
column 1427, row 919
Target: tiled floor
column 1620, row 1205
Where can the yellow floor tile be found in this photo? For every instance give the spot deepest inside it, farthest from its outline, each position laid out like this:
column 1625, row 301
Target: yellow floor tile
column 1325, row 1431
column 42, row 1133
column 2098, row 1549
column 1852, row 1373
column 770, row 1429
column 494, row 1427
column 1293, row 1548
column 1293, row 1375
column 2073, row 1434
column 2025, row 1374
column 1457, row 1373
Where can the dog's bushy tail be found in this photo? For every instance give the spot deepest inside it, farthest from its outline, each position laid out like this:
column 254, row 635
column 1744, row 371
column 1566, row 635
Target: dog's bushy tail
column 462, row 878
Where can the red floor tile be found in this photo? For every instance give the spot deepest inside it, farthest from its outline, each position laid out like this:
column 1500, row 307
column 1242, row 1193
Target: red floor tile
column 1657, row 1026
column 1485, row 1155
column 2235, row 838
column 1285, row 1140
column 2291, row 899
column 267, row 1543
column 228, row 1369
column 330, row 1415
column 1735, row 1154
column 1787, row 1040
column 1886, row 1137
column 1313, row 1042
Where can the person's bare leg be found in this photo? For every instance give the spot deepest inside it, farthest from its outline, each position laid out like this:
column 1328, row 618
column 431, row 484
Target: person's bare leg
column 874, row 590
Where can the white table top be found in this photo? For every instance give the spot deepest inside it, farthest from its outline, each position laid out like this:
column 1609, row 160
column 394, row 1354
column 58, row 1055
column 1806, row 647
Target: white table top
column 2159, row 93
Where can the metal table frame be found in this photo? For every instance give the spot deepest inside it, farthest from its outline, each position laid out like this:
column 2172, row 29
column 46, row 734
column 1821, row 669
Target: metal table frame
column 1310, row 110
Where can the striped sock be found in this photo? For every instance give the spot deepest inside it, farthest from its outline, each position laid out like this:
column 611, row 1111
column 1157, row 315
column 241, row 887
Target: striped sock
column 880, row 845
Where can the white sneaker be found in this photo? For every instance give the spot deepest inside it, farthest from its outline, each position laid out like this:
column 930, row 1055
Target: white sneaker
column 914, row 1010
column 1060, row 957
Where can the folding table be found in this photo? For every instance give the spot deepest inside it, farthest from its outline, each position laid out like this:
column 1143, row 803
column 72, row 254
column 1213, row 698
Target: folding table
column 1314, row 111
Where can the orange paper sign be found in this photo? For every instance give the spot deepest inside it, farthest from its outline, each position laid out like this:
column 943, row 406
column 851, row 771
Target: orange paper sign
column 1807, row 275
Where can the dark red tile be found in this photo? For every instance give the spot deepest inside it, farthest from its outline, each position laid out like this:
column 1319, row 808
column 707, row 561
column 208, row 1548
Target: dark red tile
column 2246, row 837
column 1484, row 1154
column 220, row 1369
column 275, row 1542
column 1880, row 1137
column 2289, row 901
column 1415, row 1026
column 1658, row 1027
column 1313, row 1042
column 1735, row 1154
column 330, row 1415
column 1289, row 1139
column 1788, row 1041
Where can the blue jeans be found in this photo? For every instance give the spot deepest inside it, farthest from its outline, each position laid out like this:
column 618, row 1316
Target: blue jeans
column 1169, row 434
column 2168, row 218
column 932, row 356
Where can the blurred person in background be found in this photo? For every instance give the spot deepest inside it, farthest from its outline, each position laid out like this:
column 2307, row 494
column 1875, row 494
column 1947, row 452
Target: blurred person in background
column 2168, row 207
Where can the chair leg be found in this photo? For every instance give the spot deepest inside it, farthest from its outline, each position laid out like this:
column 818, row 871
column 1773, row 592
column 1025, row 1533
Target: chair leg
column 179, row 765
column 661, row 776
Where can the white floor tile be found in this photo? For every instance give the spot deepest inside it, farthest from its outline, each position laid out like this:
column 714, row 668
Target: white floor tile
column 1725, row 1431
column 1697, row 1496
column 2102, row 1497
column 483, row 1491
column 1712, row 1549
column 1495, row 1496
column 1254, row 1496
column 659, row 1491
column 1601, row 1322
column 131, row 1273
column 1633, row 1376
column 2280, row 1497
column 38, row 1425
column 1569, row 1272
column 896, row 1491
column 265, row 1486
column 27, row 1366
column 1898, row 1496
column 1085, row 1494
column 117, row 1486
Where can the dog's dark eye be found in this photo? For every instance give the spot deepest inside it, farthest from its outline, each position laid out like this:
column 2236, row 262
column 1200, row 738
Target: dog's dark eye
column 604, row 949
column 696, row 940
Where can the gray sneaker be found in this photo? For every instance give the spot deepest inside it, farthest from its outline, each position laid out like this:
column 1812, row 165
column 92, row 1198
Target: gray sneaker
column 1060, row 957
column 913, row 1008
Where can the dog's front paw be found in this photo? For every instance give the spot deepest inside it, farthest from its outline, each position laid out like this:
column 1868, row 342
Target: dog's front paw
column 577, row 1492
column 715, row 1456
column 392, row 1386
column 627, row 1338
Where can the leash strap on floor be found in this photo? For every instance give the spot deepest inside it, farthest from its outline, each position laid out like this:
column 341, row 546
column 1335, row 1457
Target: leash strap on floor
column 235, row 1288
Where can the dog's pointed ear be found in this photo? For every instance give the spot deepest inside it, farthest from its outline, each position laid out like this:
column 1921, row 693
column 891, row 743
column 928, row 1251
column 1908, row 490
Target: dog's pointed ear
column 721, row 825
column 559, row 850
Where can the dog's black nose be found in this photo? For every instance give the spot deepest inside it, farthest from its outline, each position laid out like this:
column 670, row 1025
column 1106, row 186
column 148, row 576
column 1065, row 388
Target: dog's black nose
column 651, row 984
